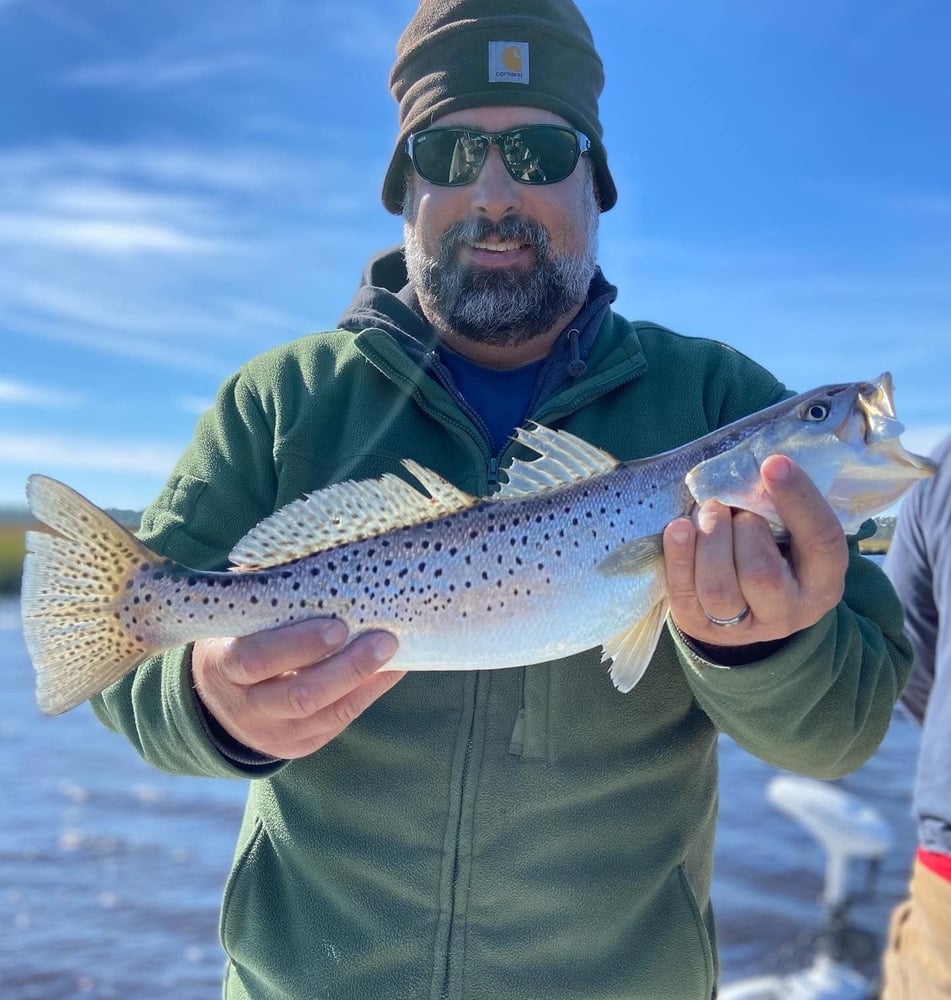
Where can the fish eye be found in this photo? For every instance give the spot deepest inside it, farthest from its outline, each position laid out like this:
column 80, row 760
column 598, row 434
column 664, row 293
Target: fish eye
column 816, row 412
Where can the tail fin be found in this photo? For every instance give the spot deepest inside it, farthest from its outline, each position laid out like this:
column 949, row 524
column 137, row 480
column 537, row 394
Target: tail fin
column 72, row 585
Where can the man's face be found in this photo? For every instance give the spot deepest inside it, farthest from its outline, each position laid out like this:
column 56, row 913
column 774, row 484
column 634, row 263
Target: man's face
column 495, row 260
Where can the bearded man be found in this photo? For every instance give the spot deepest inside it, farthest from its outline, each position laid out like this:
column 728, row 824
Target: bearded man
column 511, row 834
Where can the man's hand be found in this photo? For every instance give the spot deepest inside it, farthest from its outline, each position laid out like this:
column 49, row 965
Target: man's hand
column 288, row 691
column 725, row 561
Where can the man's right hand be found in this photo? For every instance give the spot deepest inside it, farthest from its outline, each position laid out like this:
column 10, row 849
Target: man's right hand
column 288, row 691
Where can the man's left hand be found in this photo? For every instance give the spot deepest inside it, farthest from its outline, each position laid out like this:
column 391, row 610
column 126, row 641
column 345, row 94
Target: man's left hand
column 722, row 562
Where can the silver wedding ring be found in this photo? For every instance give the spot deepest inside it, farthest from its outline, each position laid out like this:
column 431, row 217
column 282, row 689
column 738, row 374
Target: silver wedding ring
column 729, row 622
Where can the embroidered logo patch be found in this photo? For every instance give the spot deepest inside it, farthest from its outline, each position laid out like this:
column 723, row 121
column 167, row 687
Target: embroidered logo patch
column 508, row 62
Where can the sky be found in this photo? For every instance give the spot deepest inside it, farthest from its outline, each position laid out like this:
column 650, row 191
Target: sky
column 184, row 185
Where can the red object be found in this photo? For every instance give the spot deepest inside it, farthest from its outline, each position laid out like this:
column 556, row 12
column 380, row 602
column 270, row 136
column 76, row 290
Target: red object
column 940, row 864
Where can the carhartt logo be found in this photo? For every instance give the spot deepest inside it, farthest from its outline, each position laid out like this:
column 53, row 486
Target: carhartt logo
column 508, row 62
column 512, row 58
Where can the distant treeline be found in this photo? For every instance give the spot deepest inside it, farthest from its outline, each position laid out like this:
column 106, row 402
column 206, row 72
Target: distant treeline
column 12, row 549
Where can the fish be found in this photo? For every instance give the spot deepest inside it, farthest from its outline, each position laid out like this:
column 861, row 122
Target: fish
column 567, row 556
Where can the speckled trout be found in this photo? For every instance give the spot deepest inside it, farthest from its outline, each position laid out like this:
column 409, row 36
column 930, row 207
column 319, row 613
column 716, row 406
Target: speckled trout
column 565, row 558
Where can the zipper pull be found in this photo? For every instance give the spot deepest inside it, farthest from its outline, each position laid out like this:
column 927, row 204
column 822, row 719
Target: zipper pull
column 493, row 472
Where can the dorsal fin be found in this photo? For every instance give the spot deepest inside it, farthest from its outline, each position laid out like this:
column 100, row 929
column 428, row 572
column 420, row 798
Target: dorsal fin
column 347, row 512
column 564, row 459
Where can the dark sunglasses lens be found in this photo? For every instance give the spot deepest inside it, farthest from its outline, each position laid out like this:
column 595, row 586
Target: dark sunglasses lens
column 541, row 154
column 536, row 154
column 448, row 156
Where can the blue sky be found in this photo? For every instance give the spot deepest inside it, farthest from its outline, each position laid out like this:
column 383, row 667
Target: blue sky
column 183, row 185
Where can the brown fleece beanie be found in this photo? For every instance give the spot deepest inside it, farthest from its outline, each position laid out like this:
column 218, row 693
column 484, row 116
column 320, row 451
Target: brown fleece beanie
column 457, row 54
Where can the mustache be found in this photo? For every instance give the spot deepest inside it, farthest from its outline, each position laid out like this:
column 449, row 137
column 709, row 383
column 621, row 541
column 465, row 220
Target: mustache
column 510, row 228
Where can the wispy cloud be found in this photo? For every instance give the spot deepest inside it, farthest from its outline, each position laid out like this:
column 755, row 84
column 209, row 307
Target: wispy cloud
column 106, row 246
column 160, row 71
column 106, row 236
column 73, row 199
column 193, row 405
column 35, row 450
column 26, row 394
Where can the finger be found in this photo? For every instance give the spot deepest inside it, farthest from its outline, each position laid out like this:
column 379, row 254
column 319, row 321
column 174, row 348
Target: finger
column 718, row 589
column 818, row 547
column 258, row 657
column 312, row 688
column 332, row 720
column 680, row 543
column 765, row 577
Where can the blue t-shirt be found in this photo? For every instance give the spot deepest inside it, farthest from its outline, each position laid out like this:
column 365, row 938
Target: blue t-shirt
column 501, row 397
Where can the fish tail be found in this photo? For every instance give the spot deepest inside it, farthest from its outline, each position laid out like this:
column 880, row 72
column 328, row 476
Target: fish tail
column 73, row 583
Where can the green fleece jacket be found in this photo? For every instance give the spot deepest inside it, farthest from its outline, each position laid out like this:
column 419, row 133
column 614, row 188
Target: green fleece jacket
column 519, row 834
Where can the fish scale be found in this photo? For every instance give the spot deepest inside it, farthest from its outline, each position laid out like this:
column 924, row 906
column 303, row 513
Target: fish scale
column 567, row 557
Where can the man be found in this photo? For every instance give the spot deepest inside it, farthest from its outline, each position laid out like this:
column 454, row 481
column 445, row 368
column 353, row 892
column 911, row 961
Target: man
column 526, row 833
column 917, row 963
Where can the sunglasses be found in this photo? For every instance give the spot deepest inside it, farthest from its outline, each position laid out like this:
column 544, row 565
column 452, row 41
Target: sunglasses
column 532, row 154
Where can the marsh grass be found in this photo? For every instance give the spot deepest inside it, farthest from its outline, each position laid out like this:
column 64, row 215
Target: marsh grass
column 12, row 550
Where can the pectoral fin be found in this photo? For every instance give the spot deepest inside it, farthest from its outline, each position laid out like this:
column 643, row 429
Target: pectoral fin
column 642, row 557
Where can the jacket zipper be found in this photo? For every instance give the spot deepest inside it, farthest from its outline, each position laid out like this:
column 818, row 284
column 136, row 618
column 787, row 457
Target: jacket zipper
column 458, row 843
column 445, row 380
column 445, row 991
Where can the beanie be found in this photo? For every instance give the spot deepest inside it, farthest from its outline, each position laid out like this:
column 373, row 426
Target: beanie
column 458, row 54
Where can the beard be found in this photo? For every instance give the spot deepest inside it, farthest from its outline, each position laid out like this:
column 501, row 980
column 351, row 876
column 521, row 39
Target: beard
column 501, row 306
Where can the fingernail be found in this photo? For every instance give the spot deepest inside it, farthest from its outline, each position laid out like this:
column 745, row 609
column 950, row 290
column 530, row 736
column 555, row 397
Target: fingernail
column 680, row 531
column 778, row 469
column 334, row 632
column 384, row 646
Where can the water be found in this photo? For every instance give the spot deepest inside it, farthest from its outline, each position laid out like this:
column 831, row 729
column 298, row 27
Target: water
column 111, row 873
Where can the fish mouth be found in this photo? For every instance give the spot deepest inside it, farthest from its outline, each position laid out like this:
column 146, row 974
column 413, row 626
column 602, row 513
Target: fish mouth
column 873, row 420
